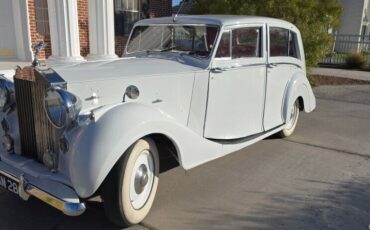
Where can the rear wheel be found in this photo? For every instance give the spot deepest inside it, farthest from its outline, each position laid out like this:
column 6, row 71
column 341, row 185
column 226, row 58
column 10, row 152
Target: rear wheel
column 129, row 190
column 292, row 122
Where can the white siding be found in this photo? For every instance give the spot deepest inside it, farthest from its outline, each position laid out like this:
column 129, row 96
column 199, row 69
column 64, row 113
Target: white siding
column 354, row 16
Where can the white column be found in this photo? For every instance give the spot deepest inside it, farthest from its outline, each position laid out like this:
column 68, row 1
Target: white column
column 22, row 30
column 101, row 30
column 64, row 33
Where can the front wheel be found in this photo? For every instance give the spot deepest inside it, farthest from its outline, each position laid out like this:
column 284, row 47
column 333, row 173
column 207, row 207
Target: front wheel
column 292, row 122
column 129, row 191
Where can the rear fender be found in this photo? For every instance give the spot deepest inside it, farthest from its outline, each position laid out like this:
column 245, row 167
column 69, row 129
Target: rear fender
column 297, row 87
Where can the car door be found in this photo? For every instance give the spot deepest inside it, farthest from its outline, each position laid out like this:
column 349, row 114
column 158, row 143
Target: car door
column 283, row 57
column 237, row 84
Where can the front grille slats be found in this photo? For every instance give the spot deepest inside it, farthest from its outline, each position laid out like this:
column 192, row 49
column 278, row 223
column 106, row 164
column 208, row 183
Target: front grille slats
column 26, row 117
column 36, row 132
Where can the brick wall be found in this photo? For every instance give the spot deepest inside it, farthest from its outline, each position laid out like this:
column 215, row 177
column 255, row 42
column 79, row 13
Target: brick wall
column 160, row 8
column 36, row 37
column 83, row 23
column 120, row 45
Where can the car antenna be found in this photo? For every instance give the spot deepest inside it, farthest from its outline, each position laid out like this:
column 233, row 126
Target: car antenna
column 179, row 10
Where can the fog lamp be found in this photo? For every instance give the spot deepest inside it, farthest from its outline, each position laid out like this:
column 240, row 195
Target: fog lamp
column 8, row 143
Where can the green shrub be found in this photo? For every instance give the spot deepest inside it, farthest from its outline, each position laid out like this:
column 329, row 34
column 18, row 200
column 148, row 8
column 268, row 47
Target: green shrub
column 312, row 17
column 355, row 61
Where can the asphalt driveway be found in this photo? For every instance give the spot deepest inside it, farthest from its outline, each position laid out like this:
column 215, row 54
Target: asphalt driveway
column 317, row 179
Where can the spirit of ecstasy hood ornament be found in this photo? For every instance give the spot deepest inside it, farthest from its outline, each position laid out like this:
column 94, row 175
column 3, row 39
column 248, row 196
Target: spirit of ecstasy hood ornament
column 38, row 48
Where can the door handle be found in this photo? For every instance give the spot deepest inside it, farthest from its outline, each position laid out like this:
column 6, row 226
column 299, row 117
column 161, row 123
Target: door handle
column 271, row 65
column 217, row 70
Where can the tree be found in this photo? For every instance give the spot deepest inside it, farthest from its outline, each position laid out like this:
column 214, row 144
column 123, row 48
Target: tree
column 313, row 18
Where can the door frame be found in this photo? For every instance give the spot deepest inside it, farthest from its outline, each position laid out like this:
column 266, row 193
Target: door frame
column 227, row 63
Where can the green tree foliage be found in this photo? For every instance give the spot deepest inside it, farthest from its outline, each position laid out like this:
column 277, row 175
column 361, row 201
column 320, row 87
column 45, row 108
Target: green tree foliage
column 313, row 18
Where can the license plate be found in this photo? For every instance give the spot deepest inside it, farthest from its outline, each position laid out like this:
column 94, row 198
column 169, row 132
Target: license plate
column 9, row 184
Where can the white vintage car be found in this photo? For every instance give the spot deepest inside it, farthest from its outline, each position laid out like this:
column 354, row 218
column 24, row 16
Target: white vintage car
column 190, row 88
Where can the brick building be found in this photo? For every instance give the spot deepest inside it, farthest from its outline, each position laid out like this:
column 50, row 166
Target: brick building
column 75, row 30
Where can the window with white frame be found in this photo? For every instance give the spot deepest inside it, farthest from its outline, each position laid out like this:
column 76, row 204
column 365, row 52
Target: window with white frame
column 42, row 17
column 127, row 12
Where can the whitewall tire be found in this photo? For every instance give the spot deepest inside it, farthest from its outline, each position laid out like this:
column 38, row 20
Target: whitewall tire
column 291, row 122
column 129, row 190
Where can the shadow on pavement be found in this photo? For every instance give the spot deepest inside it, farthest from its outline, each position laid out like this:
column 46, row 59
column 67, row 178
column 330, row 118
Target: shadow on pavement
column 33, row 214
column 341, row 206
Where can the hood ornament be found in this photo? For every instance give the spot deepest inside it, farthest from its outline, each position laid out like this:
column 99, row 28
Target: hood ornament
column 38, row 48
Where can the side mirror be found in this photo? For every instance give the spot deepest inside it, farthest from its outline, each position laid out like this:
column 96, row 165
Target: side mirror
column 131, row 92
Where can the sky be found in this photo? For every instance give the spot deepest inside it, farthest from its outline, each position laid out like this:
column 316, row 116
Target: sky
column 175, row 2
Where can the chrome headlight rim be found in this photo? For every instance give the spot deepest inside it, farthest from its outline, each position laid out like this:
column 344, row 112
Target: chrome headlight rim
column 6, row 93
column 70, row 106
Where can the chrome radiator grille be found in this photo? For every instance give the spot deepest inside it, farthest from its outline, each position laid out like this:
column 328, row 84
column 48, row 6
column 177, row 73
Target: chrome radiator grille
column 36, row 132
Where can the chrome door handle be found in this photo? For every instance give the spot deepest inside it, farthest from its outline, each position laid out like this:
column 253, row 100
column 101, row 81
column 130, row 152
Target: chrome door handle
column 271, row 65
column 217, row 70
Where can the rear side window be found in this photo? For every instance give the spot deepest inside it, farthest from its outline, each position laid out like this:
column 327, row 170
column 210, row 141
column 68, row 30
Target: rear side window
column 246, row 42
column 223, row 50
column 283, row 43
column 279, row 40
column 293, row 45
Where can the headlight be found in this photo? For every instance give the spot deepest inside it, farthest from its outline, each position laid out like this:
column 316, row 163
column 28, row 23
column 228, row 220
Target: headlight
column 61, row 106
column 6, row 92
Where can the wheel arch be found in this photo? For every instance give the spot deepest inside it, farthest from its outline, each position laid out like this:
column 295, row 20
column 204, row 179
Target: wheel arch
column 90, row 162
column 298, row 88
column 168, row 151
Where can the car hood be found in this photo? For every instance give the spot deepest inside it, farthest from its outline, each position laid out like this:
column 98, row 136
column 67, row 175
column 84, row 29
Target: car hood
column 121, row 68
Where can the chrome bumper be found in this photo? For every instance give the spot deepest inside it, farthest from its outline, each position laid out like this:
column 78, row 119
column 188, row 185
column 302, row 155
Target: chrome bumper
column 51, row 192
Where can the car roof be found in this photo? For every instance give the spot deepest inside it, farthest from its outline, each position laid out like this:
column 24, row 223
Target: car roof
column 221, row 20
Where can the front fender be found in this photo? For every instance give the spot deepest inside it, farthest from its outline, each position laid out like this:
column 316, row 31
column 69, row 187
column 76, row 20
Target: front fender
column 297, row 87
column 96, row 148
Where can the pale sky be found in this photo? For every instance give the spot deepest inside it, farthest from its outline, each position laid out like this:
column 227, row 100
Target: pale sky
column 175, row 2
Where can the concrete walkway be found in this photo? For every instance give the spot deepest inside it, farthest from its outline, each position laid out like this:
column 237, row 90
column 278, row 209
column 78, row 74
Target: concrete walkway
column 344, row 73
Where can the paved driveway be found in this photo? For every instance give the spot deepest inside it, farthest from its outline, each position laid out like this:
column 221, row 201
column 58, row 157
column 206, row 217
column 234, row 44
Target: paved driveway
column 317, row 179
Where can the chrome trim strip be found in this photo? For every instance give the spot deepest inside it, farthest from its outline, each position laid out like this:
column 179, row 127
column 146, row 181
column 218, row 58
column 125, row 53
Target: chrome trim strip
column 286, row 63
column 10, row 176
column 222, row 69
column 26, row 189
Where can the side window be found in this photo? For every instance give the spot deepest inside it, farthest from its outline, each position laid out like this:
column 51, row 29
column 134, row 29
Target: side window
column 279, row 42
column 284, row 43
column 293, row 45
column 224, row 46
column 246, row 42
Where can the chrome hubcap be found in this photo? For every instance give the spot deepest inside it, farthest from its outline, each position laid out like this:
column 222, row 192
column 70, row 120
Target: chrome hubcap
column 293, row 117
column 142, row 178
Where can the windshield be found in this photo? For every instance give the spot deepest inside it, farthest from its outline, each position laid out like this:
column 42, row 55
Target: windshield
column 192, row 40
